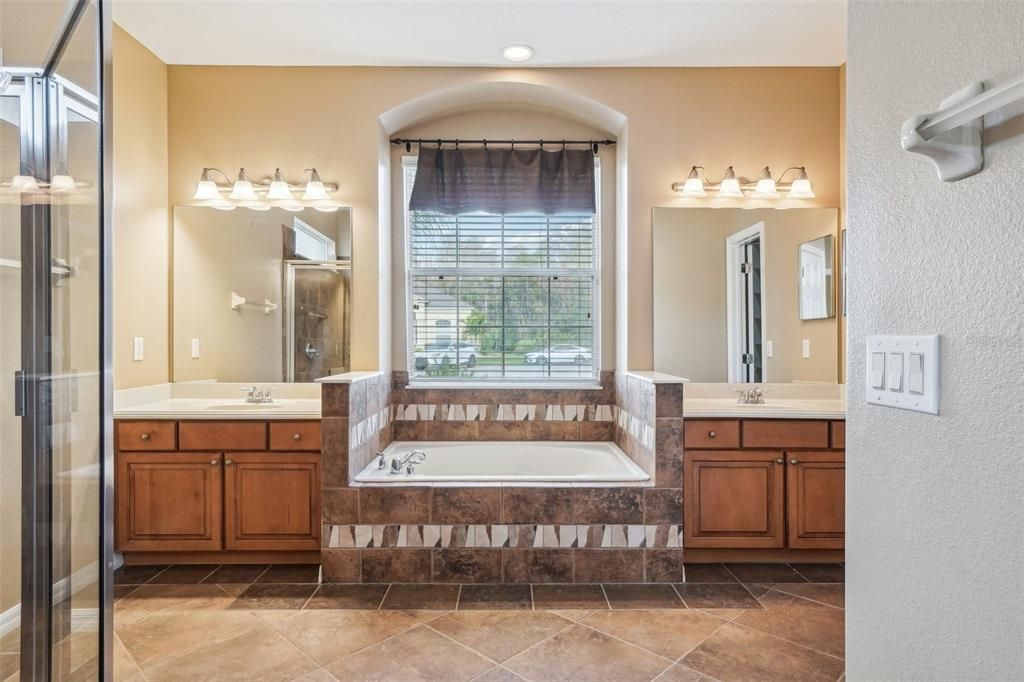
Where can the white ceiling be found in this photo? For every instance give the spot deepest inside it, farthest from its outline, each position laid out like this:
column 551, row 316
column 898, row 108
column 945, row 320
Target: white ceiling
column 472, row 33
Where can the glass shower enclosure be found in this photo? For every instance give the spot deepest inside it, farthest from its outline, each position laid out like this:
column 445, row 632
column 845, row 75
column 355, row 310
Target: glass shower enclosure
column 56, row 478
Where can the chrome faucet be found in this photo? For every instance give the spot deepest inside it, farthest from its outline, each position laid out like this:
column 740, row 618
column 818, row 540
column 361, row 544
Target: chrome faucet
column 409, row 462
column 257, row 394
column 753, row 396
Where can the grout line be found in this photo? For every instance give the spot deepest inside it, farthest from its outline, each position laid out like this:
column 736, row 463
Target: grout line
column 350, row 654
column 157, row 575
column 680, row 595
column 607, row 601
column 568, row 624
column 262, row 573
column 464, row 646
column 797, row 572
column 309, row 598
column 783, row 639
column 533, row 606
column 458, row 598
column 628, row 643
column 387, row 591
column 754, row 597
column 734, row 576
column 776, row 588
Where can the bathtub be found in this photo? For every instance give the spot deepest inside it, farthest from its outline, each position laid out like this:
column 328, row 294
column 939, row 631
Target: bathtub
column 512, row 462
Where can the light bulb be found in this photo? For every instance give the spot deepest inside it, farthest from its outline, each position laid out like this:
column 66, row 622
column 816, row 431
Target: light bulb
column 517, row 53
column 206, row 188
column 242, row 189
column 765, row 186
column 315, row 188
column 694, row 186
column 801, row 187
column 62, row 183
column 24, row 183
column 730, row 186
column 279, row 189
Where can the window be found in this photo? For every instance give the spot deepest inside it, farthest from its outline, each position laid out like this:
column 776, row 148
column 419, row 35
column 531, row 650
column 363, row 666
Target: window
column 502, row 298
column 312, row 244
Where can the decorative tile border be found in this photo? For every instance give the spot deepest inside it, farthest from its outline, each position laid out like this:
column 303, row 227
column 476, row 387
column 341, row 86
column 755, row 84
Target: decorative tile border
column 498, row 536
column 638, row 428
column 364, row 430
column 504, row 412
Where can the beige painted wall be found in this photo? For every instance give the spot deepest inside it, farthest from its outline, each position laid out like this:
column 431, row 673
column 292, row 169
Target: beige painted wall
column 264, row 117
column 690, row 313
column 498, row 122
column 141, row 219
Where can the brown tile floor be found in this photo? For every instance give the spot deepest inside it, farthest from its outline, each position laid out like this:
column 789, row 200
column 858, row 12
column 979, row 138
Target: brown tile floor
column 251, row 623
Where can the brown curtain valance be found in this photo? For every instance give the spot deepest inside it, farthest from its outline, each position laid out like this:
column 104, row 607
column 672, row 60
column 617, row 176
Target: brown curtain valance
column 504, row 181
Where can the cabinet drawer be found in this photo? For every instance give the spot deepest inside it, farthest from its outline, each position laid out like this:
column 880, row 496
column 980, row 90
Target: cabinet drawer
column 838, row 435
column 711, row 433
column 784, row 433
column 295, row 435
column 146, row 435
column 217, row 435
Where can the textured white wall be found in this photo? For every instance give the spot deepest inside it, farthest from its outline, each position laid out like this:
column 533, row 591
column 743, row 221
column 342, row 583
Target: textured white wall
column 935, row 505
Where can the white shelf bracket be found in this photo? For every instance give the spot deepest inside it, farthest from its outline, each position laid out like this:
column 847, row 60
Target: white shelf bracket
column 951, row 137
column 268, row 307
column 237, row 301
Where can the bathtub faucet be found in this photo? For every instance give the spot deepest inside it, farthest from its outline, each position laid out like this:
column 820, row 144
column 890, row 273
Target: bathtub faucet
column 409, row 462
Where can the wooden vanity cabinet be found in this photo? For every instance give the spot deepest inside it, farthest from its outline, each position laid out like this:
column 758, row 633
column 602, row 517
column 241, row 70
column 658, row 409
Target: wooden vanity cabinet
column 219, row 486
column 782, row 486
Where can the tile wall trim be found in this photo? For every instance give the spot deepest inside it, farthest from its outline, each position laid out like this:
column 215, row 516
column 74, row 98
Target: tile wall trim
column 503, row 536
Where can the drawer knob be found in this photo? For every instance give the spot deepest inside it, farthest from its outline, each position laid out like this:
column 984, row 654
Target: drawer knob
column 793, row 461
column 144, row 436
column 296, row 436
column 228, row 461
column 712, row 434
column 780, row 461
column 213, row 462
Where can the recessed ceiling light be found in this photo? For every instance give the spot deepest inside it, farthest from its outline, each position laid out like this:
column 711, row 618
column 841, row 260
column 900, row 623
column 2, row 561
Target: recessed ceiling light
column 517, row 53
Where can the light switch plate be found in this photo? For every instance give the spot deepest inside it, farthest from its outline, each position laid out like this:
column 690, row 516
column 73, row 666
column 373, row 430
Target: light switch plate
column 769, row 349
column 917, row 360
column 805, row 348
column 195, row 348
column 137, row 348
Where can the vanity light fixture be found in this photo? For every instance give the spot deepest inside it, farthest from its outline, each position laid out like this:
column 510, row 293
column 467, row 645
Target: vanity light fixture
column 24, row 183
column 732, row 187
column 274, row 192
column 242, row 189
column 517, row 53
column 62, row 184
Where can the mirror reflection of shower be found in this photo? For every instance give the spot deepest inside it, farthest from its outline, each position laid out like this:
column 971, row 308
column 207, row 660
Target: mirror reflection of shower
column 317, row 306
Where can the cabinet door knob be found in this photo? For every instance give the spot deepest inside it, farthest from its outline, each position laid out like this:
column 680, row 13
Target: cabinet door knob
column 712, row 434
column 228, row 461
column 144, row 436
column 296, row 436
column 213, row 462
column 793, row 461
column 780, row 461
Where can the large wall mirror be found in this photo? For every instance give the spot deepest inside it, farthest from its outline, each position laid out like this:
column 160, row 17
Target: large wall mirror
column 261, row 296
column 746, row 296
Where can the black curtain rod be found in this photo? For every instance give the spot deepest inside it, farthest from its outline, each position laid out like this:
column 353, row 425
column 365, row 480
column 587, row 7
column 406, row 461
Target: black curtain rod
column 421, row 140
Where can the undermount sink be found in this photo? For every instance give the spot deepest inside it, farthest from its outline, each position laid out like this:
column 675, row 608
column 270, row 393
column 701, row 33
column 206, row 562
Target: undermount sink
column 244, row 406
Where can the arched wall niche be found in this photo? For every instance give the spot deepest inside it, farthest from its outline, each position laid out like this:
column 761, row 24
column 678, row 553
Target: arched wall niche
column 502, row 109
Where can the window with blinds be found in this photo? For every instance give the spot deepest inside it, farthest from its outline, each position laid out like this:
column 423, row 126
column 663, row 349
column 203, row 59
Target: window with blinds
column 501, row 298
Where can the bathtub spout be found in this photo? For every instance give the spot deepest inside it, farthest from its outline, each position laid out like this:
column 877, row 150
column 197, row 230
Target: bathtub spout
column 411, row 459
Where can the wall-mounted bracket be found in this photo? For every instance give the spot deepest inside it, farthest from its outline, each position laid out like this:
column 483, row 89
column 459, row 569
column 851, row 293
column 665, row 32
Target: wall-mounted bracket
column 956, row 153
column 238, row 301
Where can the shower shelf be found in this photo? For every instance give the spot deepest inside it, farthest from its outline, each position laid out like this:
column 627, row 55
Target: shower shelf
column 238, row 301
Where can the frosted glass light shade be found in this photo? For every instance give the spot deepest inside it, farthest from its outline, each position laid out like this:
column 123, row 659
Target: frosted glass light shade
column 206, row 190
column 24, row 183
column 694, row 186
column 765, row 186
column 315, row 188
column 242, row 189
column 730, row 186
column 279, row 190
column 62, row 183
column 801, row 187
column 292, row 206
column 326, row 206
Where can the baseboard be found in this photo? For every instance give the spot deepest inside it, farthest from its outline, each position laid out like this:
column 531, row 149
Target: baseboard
column 62, row 589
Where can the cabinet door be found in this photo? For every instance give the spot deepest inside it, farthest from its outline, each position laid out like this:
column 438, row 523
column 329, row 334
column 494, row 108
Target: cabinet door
column 168, row 501
column 272, row 501
column 816, row 499
column 733, row 498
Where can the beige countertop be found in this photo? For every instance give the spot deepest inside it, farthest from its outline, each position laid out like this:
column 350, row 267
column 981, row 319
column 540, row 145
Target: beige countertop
column 698, row 408
column 214, row 400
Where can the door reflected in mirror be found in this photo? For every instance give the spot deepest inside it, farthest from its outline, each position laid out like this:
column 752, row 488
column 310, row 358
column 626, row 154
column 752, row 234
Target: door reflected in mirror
column 261, row 297
column 746, row 296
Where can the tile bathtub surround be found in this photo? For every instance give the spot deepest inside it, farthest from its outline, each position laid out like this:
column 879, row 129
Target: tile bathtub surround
column 356, row 424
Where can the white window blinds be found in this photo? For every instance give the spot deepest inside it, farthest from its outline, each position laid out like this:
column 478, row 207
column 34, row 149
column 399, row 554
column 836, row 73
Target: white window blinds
column 502, row 298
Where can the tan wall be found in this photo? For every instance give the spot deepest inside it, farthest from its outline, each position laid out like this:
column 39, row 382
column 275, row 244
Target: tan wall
column 495, row 123
column 264, row 117
column 690, row 310
column 842, row 223
column 141, row 219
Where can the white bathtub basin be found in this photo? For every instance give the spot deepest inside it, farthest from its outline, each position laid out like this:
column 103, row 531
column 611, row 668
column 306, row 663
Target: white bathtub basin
column 513, row 462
